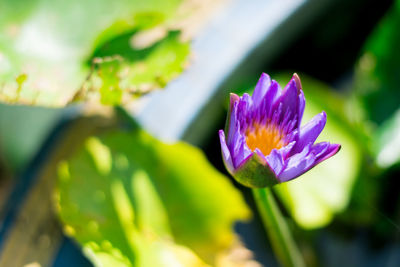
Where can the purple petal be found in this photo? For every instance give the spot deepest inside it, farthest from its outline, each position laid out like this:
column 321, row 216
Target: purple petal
column 246, row 100
column 261, row 88
column 289, row 102
column 285, row 151
column 329, row 151
column 273, row 93
column 310, row 132
column 247, row 103
column 318, row 153
column 244, row 110
column 276, row 162
column 302, row 100
column 232, row 99
column 296, row 79
column 288, row 123
column 241, row 153
column 226, row 154
column 319, row 149
column 302, row 104
column 292, row 136
column 289, row 95
column 233, row 124
column 238, row 147
column 297, row 165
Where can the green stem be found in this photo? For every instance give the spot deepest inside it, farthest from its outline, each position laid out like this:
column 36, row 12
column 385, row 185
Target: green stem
column 282, row 242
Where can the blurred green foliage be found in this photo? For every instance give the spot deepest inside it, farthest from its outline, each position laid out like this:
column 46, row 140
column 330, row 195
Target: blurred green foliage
column 55, row 45
column 135, row 71
column 131, row 200
column 387, row 141
column 378, row 70
column 376, row 85
column 53, row 53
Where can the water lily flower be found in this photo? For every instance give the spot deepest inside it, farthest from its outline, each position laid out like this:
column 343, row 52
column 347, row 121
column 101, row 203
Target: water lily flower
column 265, row 142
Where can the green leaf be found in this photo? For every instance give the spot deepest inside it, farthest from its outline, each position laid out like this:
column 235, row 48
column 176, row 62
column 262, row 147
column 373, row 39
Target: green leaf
column 378, row 70
column 52, row 45
column 387, row 144
column 121, row 73
column 317, row 195
column 377, row 86
column 134, row 201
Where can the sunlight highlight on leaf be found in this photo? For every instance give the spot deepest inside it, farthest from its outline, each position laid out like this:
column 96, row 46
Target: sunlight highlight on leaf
column 158, row 204
column 100, row 154
column 53, row 44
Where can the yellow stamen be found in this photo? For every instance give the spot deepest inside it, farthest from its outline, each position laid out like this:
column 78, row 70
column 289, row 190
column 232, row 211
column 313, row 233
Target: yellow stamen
column 265, row 138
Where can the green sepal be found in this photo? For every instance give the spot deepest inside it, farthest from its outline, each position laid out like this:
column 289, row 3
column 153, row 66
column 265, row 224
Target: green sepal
column 255, row 173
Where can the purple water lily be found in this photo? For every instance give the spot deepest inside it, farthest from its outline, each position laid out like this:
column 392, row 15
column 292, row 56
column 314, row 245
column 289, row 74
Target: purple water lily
column 265, row 144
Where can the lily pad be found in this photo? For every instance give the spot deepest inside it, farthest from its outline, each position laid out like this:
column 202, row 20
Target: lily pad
column 121, row 73
column 50, row 49
column 131, row 200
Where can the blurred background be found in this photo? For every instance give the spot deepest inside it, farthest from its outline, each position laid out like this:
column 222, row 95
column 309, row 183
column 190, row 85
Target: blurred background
column 96, row 94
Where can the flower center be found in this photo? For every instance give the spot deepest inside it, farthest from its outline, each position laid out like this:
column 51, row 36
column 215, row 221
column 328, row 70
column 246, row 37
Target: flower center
column 264, row 137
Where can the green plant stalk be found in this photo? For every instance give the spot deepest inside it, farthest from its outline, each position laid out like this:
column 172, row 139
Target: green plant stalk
column 278, row 232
